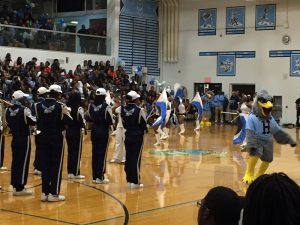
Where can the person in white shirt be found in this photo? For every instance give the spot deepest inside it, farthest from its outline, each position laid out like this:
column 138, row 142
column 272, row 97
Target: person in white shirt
column 119, row 155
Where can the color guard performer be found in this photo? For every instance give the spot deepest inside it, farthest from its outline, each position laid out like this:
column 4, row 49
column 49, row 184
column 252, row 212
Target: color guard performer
column 19, row 119
column 134, row 121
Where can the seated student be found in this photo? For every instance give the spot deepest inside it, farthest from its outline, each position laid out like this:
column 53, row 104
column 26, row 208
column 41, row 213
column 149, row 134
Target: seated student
column 272, row 199
column 221, row 206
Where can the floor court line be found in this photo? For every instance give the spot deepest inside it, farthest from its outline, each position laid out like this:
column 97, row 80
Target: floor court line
column 126, row 213
column 40, row 217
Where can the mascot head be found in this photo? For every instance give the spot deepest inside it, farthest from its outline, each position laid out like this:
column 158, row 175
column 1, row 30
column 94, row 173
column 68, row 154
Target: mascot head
column 263, row 104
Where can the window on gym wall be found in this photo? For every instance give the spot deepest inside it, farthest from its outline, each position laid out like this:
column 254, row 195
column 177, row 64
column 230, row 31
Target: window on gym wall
column 65, row 6
column 247, row 89
column 96, row 4
column 80, row 5
column 203, row 87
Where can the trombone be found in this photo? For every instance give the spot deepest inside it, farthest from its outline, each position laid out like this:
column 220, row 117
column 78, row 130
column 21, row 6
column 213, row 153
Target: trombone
column 4, row 105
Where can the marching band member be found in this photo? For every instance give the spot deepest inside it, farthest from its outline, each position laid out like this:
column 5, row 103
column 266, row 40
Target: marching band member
column 135, row 124
column 100, row 114
column 42, row 94
column 19, row 119
column 52, row 117
column 74, row 136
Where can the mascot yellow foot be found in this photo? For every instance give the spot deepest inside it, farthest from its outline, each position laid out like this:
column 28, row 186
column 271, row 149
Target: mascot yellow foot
column 249, row 175
column 262, row 169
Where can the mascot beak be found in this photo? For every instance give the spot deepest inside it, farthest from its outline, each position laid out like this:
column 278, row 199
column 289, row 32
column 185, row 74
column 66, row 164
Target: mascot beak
column 266, row 107
column 208, row 95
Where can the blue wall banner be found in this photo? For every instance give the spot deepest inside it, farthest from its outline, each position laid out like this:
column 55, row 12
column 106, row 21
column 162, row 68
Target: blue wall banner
column 226, row 63
column 295, row 65
column 265, row 17
column 280, row 53
column 235, row 20
column 207, row 22
column 238, row 54
column 294, row 56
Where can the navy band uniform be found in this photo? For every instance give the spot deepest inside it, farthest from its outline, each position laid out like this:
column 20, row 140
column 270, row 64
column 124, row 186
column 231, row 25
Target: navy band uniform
column 134, row 122
column 101, row 115
column 52, row 117
column 74, row 136
column 42, row 94
column 19, row 119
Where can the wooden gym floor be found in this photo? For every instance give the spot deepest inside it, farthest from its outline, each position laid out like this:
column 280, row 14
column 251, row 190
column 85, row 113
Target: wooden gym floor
column 175, row 175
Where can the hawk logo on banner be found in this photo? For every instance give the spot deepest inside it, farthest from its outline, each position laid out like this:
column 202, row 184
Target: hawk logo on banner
column 226, row 65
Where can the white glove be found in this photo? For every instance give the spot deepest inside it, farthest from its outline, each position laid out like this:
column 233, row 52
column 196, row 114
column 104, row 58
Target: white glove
column 27, row 113
column 66, row 111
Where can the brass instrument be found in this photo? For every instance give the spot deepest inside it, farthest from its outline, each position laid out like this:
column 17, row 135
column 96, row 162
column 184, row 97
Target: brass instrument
column 3, row 105
column 6, row 103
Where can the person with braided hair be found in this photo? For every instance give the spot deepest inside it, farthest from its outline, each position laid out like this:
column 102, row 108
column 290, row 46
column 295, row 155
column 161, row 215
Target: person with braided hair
column 272, row 199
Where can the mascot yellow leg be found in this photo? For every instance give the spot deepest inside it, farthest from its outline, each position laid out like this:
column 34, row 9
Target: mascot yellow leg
column 249, row 175
column 262, row 169
column 201, row 123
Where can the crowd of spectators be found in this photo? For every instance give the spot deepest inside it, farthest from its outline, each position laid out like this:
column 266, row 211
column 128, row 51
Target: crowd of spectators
column 86, row 78
column 26, row 36
column 23, row 17
column 22, row 37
